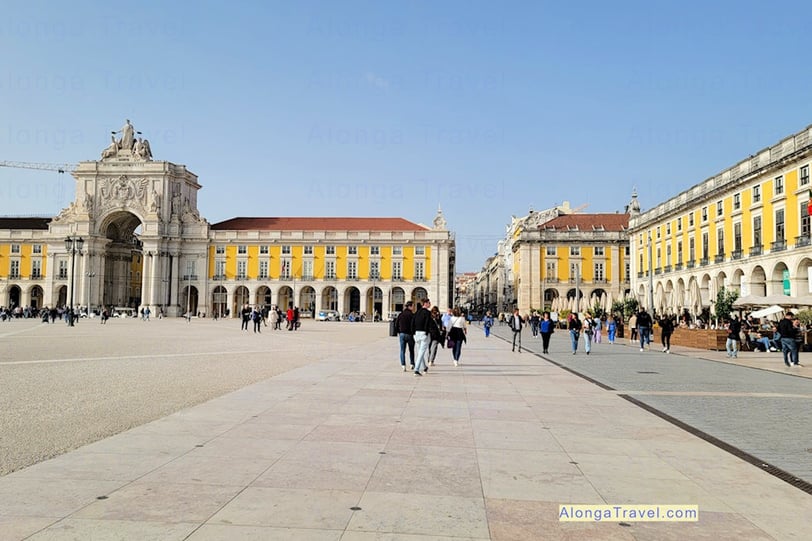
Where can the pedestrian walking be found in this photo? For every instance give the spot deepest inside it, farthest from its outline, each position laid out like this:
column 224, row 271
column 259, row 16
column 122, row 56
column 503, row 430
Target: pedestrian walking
column 516, row 324
column 644, row 324
column 600, row 323
column 436, row 334
column 666, row 330
column 420, row 330
column 456, row 335
column 588, row 329
column 633, row 328
column 789, row 347
column 546, row 328
column 487, row 323
column 611, row 329
column 403, row 324
column 574, row 327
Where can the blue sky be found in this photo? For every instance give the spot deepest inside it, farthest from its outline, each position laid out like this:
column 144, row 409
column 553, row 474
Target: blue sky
column 391, row 108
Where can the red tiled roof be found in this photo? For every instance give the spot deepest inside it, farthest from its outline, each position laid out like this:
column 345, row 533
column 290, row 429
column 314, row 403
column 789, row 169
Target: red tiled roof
column 588, row 222
column 317, row 224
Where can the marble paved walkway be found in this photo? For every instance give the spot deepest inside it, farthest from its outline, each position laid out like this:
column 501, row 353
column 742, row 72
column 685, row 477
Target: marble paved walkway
column 351, row 448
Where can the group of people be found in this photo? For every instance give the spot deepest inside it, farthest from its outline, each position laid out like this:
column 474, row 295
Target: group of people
column 421, row 327
column 260, row 315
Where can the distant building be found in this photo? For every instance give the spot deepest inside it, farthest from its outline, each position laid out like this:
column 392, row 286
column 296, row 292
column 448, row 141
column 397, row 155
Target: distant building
column 145, row 244
column 575, row 256
column 494, row 287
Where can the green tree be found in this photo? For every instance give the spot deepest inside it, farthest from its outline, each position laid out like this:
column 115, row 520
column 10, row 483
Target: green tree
column 724, row 303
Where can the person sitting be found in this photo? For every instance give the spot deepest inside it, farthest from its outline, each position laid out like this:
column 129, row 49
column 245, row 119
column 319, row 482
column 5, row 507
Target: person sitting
column 775, row 343
column 761, row 343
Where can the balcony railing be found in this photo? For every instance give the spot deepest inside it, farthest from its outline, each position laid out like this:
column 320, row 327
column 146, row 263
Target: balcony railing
column 803, row 240
column 639, row 274
column 667, row 268
column 704, row 261
column 330, row 277
column 719, row 258
column 778, row 246
column 691, row 264
column 755, row 250
column 307, row 277
column 736, row 254
column 678, row 267
column 658, row 270
column 188, row 277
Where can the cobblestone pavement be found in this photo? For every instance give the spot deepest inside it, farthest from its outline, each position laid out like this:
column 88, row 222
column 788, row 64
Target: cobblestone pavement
column 334, row 441
column 765, row 413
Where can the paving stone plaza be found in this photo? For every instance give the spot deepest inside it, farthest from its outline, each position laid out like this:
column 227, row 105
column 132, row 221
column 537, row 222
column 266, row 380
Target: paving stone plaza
column 201, row 431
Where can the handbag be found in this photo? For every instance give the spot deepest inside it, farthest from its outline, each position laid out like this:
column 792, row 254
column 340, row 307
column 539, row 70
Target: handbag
column 450, row 344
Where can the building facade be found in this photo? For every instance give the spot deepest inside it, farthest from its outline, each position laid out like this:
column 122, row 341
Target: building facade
column 745, row 229
column 145, row 244
column 494, row 287
column 574, row 261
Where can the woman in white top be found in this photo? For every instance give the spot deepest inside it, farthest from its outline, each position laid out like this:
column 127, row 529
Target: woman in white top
column 456, row 335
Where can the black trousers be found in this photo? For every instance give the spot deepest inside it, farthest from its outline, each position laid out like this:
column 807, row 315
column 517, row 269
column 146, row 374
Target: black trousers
column 545, row 340
column 519, row 335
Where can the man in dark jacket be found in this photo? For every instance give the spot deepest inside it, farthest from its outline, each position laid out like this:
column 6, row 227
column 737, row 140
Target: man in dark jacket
column 644, row 323
column 516, row 324
column 788, row 344
column 420, row 326
column 405, row 334
column 734, row 327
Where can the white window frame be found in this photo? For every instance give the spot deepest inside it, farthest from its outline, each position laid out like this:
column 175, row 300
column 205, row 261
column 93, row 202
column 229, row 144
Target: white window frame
column 778, row 185
column 352, row 250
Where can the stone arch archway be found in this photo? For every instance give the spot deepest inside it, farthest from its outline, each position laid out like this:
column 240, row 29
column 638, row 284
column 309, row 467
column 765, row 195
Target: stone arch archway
column 219, row 301
column 122, row 260
column 37, row 297
column 307, row 301
column 329, row 298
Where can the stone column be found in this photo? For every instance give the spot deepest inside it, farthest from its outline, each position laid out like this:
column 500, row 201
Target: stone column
column 176, row 284
column 146, row 286
column 50, row 273
column 340, row 301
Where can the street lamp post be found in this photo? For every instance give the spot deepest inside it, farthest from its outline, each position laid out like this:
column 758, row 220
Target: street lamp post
column 73, row 244
column 650, row 278
column 90, row 275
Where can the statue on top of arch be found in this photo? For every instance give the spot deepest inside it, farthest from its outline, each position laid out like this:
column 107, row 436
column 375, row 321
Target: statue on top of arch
column 127, row 145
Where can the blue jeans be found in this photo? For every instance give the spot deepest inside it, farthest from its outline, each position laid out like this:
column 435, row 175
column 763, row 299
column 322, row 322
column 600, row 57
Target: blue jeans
column 457, row 351
column 789, row 347
column 732, row 347
column 611, row 332
column 421, row 339
column 587, row 342
column 574, row 336
column 645, row 337
column 406, row 340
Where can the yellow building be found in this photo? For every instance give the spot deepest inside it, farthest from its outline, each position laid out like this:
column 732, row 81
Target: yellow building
column 745, row 229
column 573, row 256
column 548, row 257
column 141, row 242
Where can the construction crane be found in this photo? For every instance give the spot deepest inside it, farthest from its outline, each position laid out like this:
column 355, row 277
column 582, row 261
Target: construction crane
column 58, row 167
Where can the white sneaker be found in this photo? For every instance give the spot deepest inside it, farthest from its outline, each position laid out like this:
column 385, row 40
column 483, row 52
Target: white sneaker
column 668, row 351
column 404, row 369
column 665, row 350
column 641, row 349
column 456, row 363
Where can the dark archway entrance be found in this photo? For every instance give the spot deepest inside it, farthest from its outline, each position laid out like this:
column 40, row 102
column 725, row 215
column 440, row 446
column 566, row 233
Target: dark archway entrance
column 123, row 260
